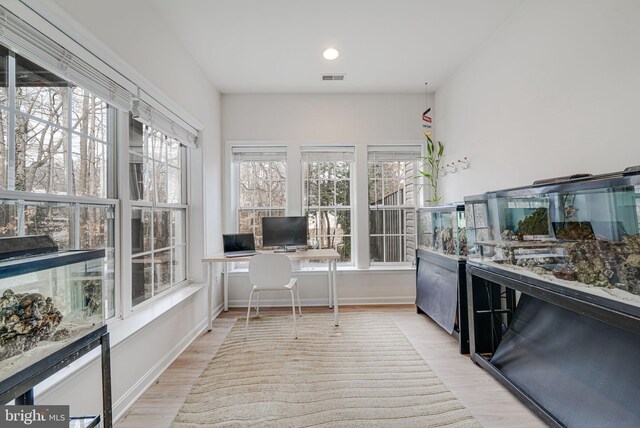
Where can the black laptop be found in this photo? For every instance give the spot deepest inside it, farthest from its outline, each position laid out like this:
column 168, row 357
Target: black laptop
column 239, row 245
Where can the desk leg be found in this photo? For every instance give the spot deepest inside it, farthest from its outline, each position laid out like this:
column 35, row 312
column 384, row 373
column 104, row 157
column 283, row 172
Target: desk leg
column 335, row 294
column 209, row 296
column 225, row 285
column 329, row 285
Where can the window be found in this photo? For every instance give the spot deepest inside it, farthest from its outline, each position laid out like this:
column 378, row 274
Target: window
column 392, row 201
column 261, row 187
column 158, row 212
column 327, row 198
column 55, row 169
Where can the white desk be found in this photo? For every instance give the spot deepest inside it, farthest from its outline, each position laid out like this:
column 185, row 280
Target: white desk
column 330, row 255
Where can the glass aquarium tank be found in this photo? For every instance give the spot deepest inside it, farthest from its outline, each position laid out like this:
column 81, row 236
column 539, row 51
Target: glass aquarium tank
column 441, row 229
column 47, row 302
column 477, row 223
column 581, row 234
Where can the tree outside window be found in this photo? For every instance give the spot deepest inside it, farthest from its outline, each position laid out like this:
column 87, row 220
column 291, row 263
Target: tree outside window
column 327, row 200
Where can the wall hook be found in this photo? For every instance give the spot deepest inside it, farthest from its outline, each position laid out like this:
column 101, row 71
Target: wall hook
column 465, row 163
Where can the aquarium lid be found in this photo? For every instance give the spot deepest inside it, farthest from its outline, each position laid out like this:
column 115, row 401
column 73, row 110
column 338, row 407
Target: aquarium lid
column 562, row 179
column 23, row 246
column 631, row 170
column 21, row 266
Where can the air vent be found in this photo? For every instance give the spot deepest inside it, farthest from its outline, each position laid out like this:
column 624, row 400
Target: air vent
column 333, row 76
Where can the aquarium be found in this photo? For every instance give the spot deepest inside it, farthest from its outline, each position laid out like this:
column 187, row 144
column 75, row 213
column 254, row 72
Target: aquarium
column 581, row 234
column 441, row 229
column 47, row 302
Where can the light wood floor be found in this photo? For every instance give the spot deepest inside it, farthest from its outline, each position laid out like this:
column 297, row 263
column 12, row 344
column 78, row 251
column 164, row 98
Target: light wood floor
column 486, row 399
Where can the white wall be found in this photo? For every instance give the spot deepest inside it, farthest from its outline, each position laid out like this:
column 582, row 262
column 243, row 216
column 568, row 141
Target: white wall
column 553, row 92
column 141, row 39
column 348, row 118
column 313, row 117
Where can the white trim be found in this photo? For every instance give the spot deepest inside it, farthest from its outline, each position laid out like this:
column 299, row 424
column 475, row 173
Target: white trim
column 322, row 301
column 127, row 399
column 50, row 197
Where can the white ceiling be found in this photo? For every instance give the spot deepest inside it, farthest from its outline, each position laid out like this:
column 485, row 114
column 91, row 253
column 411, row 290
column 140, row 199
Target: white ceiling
column 275, row 46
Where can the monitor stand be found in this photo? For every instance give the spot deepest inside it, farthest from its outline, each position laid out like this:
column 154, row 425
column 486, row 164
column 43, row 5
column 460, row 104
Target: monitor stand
column 286, row 249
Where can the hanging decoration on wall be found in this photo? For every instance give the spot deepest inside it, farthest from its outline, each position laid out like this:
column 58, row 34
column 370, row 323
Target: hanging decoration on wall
column 426, row 119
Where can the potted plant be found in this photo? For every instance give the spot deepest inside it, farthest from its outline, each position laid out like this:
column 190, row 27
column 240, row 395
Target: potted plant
column 432, row 168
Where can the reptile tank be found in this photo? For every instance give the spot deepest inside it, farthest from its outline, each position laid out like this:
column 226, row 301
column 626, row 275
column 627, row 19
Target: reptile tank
column 48, row 299
column 580, row 235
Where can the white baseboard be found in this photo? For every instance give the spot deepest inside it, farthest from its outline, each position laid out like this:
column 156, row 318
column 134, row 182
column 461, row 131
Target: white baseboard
column 398, row 300
column 123, row 404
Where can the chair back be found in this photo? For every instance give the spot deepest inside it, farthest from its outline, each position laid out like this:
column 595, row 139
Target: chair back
column 269, row 270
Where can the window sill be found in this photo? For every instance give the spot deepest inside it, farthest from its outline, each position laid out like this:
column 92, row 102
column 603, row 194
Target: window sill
column 120, row 329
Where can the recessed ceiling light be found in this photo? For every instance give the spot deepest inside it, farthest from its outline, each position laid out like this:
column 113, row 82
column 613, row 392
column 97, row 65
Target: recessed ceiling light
column 330, row 54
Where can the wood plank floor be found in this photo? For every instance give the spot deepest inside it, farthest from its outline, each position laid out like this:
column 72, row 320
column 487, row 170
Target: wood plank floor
column 485, row 398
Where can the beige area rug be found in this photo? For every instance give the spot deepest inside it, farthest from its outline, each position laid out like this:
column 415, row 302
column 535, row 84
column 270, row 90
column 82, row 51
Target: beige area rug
column 364, row 373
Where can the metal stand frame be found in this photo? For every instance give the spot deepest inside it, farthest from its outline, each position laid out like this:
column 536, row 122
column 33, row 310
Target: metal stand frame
column 20, row 385
column 492, row 297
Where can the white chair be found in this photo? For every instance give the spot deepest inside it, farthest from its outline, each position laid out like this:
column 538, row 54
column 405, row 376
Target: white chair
column 272, row 272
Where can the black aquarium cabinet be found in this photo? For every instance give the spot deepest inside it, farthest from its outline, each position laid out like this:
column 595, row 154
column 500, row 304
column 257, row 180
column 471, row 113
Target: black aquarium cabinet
column 440, row 269
column 554, row 280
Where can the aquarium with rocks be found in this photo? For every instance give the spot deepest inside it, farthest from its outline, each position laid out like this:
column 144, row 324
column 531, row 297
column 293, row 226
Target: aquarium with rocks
column 582, row 234
column 441, row 229
column 47, row 301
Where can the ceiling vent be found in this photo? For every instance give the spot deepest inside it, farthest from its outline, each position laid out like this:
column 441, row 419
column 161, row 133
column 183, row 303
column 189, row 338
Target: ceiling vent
column 333, row 76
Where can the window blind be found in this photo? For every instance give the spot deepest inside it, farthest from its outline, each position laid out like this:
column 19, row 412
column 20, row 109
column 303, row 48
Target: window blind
column 328, row 154
column 116, row 89
column 143, row 112
column 30, row 43
column 259, row 153
column 394, row 153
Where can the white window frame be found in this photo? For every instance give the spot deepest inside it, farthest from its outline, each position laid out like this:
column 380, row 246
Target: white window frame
column 332, row 154
column 74, row 201
column 157, row 206
column 359, row 197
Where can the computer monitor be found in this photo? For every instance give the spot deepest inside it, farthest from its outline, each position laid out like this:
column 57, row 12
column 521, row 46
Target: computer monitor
column 284, row 231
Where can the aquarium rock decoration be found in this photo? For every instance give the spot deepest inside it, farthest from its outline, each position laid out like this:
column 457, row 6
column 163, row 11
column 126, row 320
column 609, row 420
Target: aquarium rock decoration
column 575, row 231
column 593, row 262
column 536, row 223
column 92, row 295
column 462, row 236
column 25, row 319
column 448, row 243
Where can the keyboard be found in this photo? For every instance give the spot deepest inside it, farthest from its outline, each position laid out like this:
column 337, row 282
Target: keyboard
column 240, row 254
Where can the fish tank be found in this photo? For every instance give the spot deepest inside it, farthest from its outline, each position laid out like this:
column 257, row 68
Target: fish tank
column 441, row 229
column 48, row 301
column 580, row 235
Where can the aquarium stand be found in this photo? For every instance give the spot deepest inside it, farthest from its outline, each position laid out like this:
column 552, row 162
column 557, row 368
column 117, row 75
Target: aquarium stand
column 441, row 293
column 20, row 385
column 570, row 360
